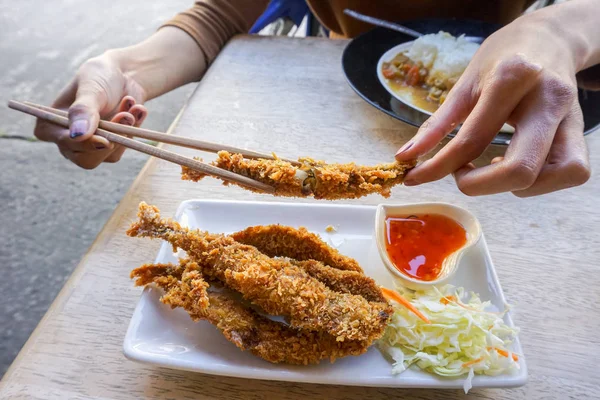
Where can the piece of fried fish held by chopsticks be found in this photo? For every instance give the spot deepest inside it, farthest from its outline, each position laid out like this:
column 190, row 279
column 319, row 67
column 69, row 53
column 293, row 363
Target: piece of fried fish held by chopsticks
column 273, row 341
column 312, row 178
column 277, row 285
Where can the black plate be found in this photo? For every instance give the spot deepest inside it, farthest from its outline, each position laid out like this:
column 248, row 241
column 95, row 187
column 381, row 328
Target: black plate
column 362, row 54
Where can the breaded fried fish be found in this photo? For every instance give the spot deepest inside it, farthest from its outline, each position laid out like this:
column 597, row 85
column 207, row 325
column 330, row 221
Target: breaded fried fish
column 299, row 244
column 244, row 327
column 278, row 286
column 312, row 178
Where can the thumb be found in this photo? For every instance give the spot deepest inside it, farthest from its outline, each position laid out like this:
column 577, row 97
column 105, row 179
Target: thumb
column 84, row 113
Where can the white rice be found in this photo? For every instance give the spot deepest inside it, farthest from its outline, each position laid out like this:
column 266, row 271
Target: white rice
column 444, row 55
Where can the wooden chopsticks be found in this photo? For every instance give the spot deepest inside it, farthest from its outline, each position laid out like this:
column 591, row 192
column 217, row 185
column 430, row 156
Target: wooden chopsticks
column 170, row 139
column 58, row 117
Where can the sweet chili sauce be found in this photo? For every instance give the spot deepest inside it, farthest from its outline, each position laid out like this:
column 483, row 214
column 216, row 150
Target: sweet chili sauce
column 418, row 244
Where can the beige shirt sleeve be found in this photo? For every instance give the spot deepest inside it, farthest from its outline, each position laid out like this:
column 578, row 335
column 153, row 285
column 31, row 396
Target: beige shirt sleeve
column 211, row 23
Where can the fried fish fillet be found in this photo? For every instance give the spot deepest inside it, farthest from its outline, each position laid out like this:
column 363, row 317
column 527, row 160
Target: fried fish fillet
column 276, row 285
column 299, row 244
column 244, row 327
column 342, row 281
column 309, row 252
column 312, row 178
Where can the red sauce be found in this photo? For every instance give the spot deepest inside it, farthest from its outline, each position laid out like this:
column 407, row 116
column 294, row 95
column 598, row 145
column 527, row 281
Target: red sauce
column 418, row 244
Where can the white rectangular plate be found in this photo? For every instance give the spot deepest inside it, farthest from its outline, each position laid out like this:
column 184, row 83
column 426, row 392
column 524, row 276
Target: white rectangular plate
column 169, row 338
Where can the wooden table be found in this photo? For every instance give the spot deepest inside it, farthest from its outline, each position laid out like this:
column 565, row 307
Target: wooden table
column 289, row 96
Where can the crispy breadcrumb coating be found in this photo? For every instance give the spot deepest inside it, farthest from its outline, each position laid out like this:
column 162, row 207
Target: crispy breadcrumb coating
column 270, row 340
column 352, row 282
column 309, row 252
column 300, row 244
column 313, row 178
column 276, row 285
column 185, row 278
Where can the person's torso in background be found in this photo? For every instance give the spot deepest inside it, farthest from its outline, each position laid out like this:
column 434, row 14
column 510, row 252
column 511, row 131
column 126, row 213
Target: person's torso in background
column 331, row 12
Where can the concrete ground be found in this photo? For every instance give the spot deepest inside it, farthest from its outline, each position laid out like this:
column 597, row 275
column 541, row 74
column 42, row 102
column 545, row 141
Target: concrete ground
column 51, row 210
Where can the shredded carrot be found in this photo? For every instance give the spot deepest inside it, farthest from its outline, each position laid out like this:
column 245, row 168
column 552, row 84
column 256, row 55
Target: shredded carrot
column 505, row 353
column 453, row 299
column 413, row 75
column 395, row 296
column 469, row 363
column 448, row 299
column 388, row 73
column 500, row 351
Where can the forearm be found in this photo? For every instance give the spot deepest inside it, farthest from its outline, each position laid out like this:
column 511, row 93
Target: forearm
column 166, row 60
column 183, row 48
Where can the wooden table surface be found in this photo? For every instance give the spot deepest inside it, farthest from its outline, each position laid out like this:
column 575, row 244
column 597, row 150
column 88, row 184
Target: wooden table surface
column 289, row 96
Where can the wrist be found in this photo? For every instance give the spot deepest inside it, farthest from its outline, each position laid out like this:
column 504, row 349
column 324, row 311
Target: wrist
column 168, row 59
column 573, row 27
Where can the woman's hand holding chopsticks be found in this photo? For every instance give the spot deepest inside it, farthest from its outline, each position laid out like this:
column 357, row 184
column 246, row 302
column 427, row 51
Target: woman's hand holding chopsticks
column 113, row 87
column 98, row 91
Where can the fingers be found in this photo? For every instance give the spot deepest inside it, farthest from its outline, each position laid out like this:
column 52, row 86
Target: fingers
column 140, row 113
column 126, row 103
column 534, row 132
column 136, row 116
column 124, row 118
column 92, row 144
column 84, row 113
column 510, row 81
column 48, row 132
column 90, row 153
column 87, row 154
column 86, row 160
column 568, row 163
column 52, row 133
column 451, row 113
column 94, row 93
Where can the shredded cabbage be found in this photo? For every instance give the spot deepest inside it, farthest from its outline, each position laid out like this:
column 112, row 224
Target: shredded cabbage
column 462, row 338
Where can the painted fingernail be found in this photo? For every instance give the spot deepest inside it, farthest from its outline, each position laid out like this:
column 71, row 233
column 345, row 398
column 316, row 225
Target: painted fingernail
column 78, row 128
column 100, row 147
column 404, row 148
column 139, row 116
column 125, row 121
column 411, row 182
column 128, row 104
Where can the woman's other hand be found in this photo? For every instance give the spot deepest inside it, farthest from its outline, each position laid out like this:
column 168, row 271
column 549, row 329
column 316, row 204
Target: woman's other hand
column 525, row 75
